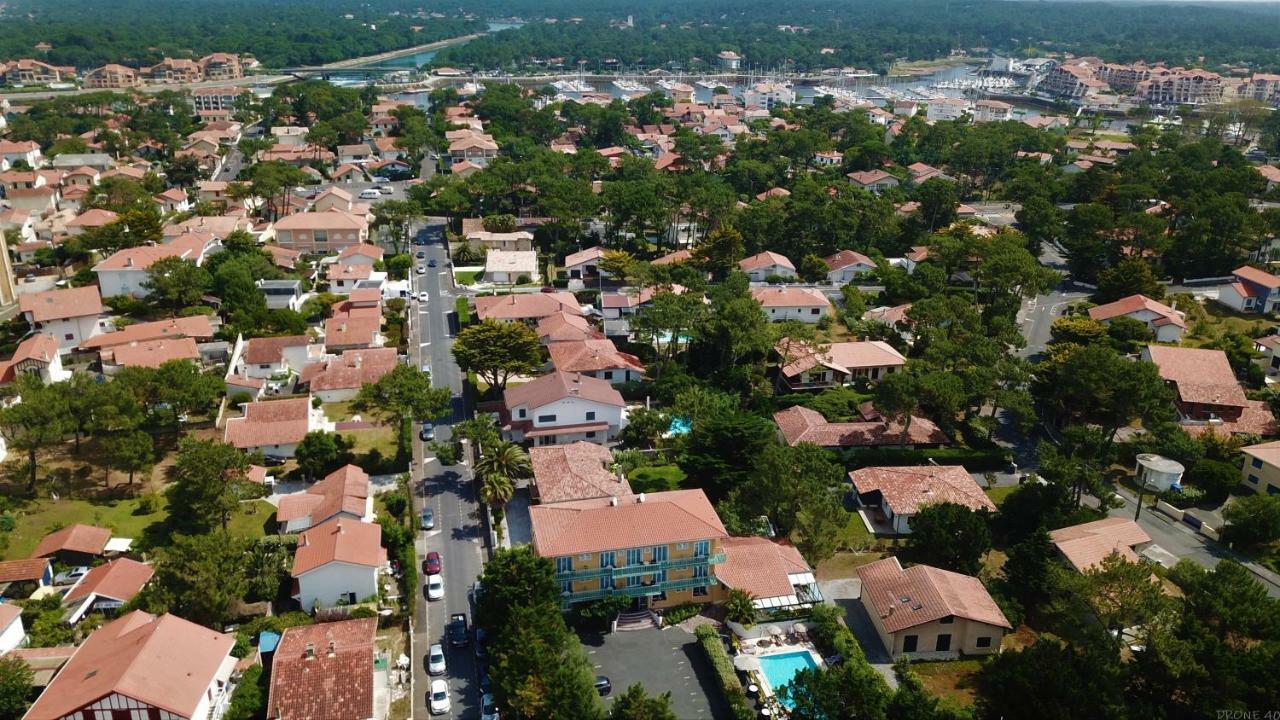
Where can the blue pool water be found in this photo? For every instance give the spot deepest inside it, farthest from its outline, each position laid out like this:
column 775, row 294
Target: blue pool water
column 779, row 669
column 679, row 426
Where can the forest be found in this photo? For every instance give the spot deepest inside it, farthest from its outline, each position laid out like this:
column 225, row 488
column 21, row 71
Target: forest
column 87, row 33
column 872, row 34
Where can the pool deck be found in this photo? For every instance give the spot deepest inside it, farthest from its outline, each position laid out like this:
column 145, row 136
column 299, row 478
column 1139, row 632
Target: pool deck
column 766, row 689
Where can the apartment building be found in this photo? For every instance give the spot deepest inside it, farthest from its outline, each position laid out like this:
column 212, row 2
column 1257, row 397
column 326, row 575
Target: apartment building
column 1181, row 87
column 208, row 101
column 1124, row 78
column 1261, row 471
column 34, row 72
column 321, row 232
column 1263, row 87
column 174, row 70
column 111, row 77
column 221, row 66
column 1073, row 80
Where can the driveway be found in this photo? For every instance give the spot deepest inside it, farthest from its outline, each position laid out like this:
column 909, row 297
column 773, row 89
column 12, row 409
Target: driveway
column 667, row 660
column 846, row 594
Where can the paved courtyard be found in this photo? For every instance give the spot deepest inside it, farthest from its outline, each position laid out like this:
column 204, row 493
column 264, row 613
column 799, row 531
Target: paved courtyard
column 667, row 660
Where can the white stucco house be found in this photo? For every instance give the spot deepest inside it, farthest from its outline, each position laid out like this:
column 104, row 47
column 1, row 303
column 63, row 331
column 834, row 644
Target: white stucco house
column 765, row 265
column 337, row 563
column 560, row 408
column 807, row 305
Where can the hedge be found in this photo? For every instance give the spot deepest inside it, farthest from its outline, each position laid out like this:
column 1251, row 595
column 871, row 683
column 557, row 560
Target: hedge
column 681, row 613
column 723, row 667
column 972, row 460
column 462, row 305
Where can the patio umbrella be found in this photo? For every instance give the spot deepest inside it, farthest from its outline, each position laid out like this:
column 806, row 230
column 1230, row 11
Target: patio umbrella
column 746, row 663
column 798, row 627
column 774, row 630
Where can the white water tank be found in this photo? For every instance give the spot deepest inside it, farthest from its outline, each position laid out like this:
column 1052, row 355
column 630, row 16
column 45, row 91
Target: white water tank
column 1159, row 472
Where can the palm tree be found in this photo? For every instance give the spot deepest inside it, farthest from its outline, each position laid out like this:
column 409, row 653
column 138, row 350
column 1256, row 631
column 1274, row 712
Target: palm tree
column 496, row 490
column 506, row 459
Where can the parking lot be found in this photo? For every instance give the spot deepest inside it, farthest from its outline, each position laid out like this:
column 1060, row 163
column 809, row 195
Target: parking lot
column 667, row 660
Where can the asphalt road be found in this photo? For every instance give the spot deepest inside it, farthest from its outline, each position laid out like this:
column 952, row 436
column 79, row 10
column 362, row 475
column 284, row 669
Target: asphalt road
column 459, row 534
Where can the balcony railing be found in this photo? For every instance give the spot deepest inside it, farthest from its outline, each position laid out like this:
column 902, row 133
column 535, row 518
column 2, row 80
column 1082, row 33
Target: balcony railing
column 647, row 568
column 638, row 590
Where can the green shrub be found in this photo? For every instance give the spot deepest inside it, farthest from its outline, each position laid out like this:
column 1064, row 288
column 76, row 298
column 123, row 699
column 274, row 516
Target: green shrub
column 711, row 644
column 681, row 613
column 972, row 460
column 249, row 700
column 831, row 634
column 395, row 503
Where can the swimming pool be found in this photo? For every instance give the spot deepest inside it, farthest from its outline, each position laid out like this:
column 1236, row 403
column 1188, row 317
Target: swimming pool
column 780, row 668
column 679, row 426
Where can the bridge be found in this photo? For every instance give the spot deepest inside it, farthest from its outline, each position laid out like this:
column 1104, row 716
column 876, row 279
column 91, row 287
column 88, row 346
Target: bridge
column 326, row 72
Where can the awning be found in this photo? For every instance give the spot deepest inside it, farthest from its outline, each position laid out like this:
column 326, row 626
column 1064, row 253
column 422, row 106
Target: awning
column 563, row 429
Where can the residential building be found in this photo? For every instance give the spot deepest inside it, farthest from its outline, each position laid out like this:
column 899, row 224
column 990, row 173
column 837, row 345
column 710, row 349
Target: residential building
column 806, row 305
column 773, row 572
column 1165, row 323
column 215, row 101
column 344, row 279
column 72, row 315
column 511, row 266
column 564, row 327
column 174, row 71
column 37, row 355
column 928, row 612
column 342, row 493
column 898, row 493
column 74, row 545
column 1251, row 291
column 125, row 271
column 992, row 111
column 337, row 563
column 828, row 158
column 196, row 327
column 765, row 265
column 274, row 427
column 106, row 588
column 40, row 201
column 1261, row 472
column 661, row 549
column 357, row 154
column 729, row 60
column 142, row 666
column 560, row 408
column 528, row 308
column 20, row 578
column 12, row 634
column 946, row 108
column 321, row 232
column 1085, row 546
column 847, row 265
column 1263, row 87
column 325, row 671
column 615, row 306
column 576, row 471
column 27, row 71
column 584, row 263
column 91, row 219
column 352, row 332
column 803, row 367
column 101, row 162
column 13, row 152
column 340, row 379
column 148, row 354
column 111, row 77
column 172, row 200
column 221, row 66
column 1207, row 389
column 506, row 241
column 362, row 254
column 876, row 181
column 769, row 95
column 800, row 424
column 1179, row 86
column 1124, row 78
column 281, row 294
column 472, row 147
column 596, row 358
column 1072, row 80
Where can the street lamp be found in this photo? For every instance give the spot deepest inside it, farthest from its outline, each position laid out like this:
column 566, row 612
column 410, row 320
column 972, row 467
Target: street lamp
column 1142, row 488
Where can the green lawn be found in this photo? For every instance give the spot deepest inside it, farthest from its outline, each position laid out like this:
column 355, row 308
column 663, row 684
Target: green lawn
column 855, row 534
column 463, row 307
column 950, row 680
column 998, row 494
column 1212, row 320
column 656, row 478
column 122, row 516
column 467, row 277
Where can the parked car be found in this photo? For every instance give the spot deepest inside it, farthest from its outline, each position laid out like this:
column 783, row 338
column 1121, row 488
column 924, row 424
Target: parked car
column 435, row 660
column 428, row 431
column 370, row 194
column 432, row 565
column 421, row 269
column 70, row 576
column 428, row 519
column 380, row 179
column 435, row 587
column 481, row 653
column 422, row 296
column 431, row 262
column 421, row 254
column 272, row 460
column 438, row 698
column 482, row 677
column 603, row 686
column 386, row 190
column 459, row 634
column 488, row 710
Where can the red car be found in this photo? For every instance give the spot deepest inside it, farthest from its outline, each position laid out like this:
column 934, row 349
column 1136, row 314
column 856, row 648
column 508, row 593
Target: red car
column 432, row 565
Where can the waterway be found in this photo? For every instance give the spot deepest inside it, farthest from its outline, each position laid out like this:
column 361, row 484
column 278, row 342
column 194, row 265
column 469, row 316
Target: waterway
column 417, row 60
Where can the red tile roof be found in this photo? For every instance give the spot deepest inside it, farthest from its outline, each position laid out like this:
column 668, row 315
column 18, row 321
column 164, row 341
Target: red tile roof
column 1259, row 277
column 95, row 217
column 586, row 526
column 277, row 422
column 154, row 353
column 559, row 385
column 270, row 350
column 585, row 356
column 39, row 347
column 790, row 297
column 351, row 330
column 908, row 488
column 85, row 539
column 363, row 250
column 760, row 566
column 764, row 260
column 339, row 540
column 576, row 471
column 1136, row 303
column 921, row 594
column 62, row 304
column 345, row 490
column 196, row 326
column 1086, row 546
column 800, row 424
column 119, row 579
column 678, row 256
column 1202, row 376
column 526, row 306
column 582, row 256
column 23, row 570
column 324, row 671
column 165, row 662
column 562, row 327
column 352, row 369
column 845, row 357
column 845, row 258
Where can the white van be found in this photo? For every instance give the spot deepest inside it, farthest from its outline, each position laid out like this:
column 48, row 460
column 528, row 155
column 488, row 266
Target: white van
column 370, row 194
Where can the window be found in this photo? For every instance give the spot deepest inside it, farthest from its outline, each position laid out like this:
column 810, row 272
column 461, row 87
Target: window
column 264, row 367
column 700, row 571
column 566, row 587
column 523, row 414
column 947, row 620
column 608, row 374
column 564, row 564
column 659, row 553
column 635, row 556
column 606, row 559
column 815, row 311
column 606, row 583
column 546, row 418
column 1253, row 479
column 69, row 336
column 633, row 581
column 700, row 591
column 909, row 643
column 1257, row 463
column 591, row 415
column 702, row 548
column 322, row 236
column 592, row 434
column 944, row 643
column 983, row 642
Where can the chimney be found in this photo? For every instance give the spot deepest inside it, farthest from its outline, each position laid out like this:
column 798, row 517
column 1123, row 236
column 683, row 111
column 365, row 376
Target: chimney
column 331, row 649
column 310, row 652
column 613, row 502
column 640, row 498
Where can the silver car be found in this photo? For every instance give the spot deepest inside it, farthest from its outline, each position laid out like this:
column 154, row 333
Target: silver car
column 435, row 660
